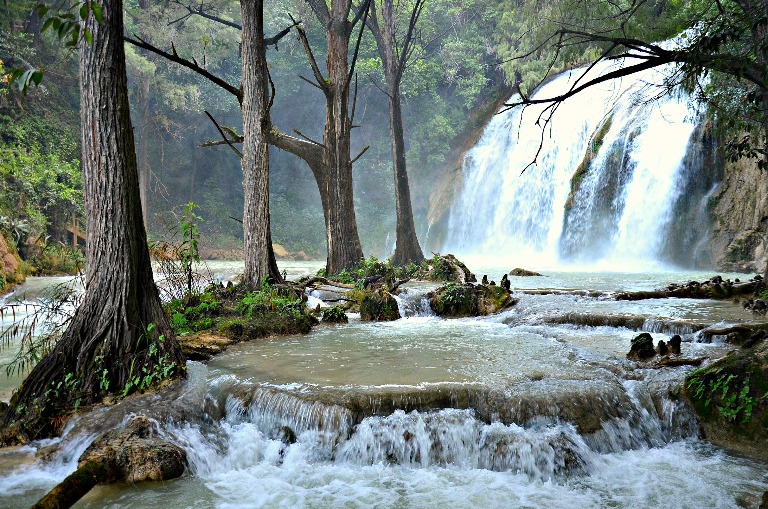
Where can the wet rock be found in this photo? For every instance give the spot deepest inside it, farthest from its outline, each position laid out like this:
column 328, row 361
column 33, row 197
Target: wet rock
column 379, row 306
column 764, row 502
column 201, row 346
column 735, row 335
column 448, row 268
column 674, row 344
column 136, row 454
column 729, row 397
column 523, row 273
column 285, row 434
column 455, row 301
column 10, row 265
column 714, row 288
column 662, row 348
column 485, row 279
column 641, row 347
column 133, row 454
column 505, row 282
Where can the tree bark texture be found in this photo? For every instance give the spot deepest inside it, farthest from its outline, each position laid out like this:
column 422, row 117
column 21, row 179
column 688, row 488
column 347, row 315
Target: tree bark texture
column 108, row 341
column 331, row 161
column 407, row 248
column 259, row 257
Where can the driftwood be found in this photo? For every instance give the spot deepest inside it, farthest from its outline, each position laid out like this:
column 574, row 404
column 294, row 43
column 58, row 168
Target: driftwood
column 671, row 362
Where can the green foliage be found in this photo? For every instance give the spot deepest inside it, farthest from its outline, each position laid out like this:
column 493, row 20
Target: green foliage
column 38, row 193
column 155, row 367
column 441, row 269
column 335, row 314
column 730, row 395
column 184, row 276
column 270, row 299
column 195, row 314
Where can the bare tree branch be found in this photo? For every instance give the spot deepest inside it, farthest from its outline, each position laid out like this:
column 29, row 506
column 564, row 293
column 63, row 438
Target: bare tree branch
column 189, row 64
column 200, row 11
column 360, row 154
column 224, row 137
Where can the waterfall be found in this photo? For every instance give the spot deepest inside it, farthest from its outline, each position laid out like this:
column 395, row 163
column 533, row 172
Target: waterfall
column 610, row 166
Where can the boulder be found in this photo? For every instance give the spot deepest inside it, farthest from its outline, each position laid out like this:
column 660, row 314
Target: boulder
column 523, row 273
column 641, row 348
column 662, row 348
column 379, row 306
column 448, row 268
column 136, row 454
column 730, row 398
column 10, row 265
column 457, row 300
column 334, row 314
column 674, row 344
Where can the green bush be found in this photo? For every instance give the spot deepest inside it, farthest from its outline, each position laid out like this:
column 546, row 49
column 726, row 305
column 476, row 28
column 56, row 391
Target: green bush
column 335, row 314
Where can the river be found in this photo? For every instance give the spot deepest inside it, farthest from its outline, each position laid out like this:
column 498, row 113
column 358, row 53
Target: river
column 520, row 409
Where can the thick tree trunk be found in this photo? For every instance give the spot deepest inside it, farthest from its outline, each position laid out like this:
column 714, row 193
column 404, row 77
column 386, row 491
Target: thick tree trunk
column 120, row 331
column 407, row 248
column 344, row 250
column 259, row 257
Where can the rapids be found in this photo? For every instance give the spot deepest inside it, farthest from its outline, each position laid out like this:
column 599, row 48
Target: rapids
column 520, row 409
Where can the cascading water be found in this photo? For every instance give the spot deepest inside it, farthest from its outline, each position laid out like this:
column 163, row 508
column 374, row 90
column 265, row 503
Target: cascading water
column 611, row 167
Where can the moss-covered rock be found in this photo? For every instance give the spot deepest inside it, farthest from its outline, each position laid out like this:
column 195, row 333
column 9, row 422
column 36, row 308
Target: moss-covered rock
column 641, row 348
column 261, row 325
column 447, row 268
column 730, row 398
column 379, row 306
column 459, row 300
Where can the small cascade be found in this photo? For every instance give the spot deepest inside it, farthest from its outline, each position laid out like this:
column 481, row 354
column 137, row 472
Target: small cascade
column 456, row 437
column 413, row 302
column 612, row 171
column 540, row 429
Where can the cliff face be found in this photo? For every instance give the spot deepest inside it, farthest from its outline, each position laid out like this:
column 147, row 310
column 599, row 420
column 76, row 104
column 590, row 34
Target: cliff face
column 739, row 212
column 10, row 270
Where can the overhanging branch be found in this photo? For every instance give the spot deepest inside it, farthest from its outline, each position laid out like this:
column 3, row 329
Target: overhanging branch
column 189, row 64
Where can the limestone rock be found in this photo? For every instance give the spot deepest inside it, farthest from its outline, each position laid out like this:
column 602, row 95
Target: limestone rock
column 674, row 344
column 456, row 300
column 10, row 262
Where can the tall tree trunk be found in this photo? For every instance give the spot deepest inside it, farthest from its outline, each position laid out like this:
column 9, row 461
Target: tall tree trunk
column 407, row 248
column 259, row 256
column 143, row 166
column 344, row 250
column 120, row 329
